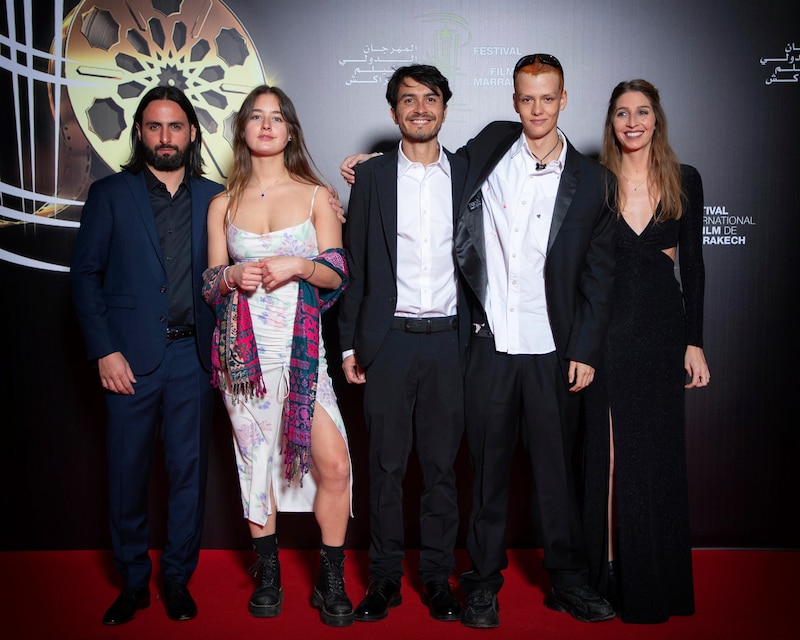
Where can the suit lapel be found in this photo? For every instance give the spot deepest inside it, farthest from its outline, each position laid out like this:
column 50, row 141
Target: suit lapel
column 386, row 183
column 473, row 222
column 470, row 248
column 141, row 199
column 199, row 224
column 458, row 169
column 566, row 192
column 498, row 150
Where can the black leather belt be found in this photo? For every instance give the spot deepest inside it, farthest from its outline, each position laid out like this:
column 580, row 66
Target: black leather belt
column 176, row 333
column 425, row 325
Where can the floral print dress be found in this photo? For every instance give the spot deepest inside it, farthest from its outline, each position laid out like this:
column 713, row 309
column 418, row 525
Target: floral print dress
column 258, row 422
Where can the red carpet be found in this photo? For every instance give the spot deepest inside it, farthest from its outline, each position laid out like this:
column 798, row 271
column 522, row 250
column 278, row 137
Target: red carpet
column 62, row 595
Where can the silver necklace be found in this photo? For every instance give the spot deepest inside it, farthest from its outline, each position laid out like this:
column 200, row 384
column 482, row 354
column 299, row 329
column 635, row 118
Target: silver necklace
column 263, row 190
column 541, row 164
column 635, row 187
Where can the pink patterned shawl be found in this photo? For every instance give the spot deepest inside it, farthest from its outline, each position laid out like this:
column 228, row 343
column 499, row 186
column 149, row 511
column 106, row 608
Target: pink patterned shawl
column 234, row 356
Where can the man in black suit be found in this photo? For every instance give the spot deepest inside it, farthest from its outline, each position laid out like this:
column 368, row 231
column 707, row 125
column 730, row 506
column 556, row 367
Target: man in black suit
column 136, row 276
column 534, row 247
column 399, row 330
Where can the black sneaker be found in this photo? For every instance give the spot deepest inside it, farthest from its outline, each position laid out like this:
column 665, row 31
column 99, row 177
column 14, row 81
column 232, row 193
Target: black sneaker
column 481, row 610
column 582, row 603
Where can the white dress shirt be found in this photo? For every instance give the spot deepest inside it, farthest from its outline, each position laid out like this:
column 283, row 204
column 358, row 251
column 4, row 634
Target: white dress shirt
column 426, row 275
column 426, row 272
column 518, row 203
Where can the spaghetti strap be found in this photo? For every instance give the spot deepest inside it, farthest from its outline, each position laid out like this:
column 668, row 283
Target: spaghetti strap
column 228, row 208
column 310, row 213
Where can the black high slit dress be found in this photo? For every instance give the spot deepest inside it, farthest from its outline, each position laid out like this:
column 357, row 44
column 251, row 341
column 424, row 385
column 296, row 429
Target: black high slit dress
column 640, row 385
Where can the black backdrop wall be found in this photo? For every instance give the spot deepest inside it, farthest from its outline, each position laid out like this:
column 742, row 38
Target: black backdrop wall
column 729, row 73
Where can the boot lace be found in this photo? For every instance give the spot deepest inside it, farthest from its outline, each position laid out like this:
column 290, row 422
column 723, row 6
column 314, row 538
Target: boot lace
column 265, row 569
column 334, row 578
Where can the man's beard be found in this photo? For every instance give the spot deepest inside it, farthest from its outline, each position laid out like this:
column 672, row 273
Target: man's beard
column 161, row 162
column 422, row 136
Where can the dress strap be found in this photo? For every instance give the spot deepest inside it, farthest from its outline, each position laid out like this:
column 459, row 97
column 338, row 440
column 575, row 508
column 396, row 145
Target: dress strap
column 310, row 213
column 228, row 209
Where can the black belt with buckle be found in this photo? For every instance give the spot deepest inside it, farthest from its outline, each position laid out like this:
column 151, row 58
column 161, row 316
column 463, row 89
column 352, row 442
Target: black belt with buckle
column 176, row 333
column 425, row 325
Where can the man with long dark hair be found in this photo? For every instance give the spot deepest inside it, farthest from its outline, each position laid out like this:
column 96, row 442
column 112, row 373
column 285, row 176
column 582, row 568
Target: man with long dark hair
column 136, row 276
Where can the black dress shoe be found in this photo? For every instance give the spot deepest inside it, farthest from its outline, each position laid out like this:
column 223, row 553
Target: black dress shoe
column 127, row 604
column 440, row 601
column 482, row 610
column 178, row 601
column 383, row 594
column 582, row 603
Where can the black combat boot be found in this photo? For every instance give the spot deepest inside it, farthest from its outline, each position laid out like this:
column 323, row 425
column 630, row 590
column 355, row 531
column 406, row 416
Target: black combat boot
column 335, row 608
column 267, row 598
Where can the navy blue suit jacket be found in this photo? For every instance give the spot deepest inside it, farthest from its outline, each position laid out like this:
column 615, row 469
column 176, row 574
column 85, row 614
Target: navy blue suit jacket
column 119, row 282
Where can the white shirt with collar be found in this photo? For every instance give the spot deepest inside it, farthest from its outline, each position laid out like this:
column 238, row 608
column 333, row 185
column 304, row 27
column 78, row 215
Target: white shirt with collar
column 426, row 273
column 518, row 203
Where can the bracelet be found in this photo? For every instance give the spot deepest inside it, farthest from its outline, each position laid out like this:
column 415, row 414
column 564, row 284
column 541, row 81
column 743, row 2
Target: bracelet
column 225, row 278
column 313, row 269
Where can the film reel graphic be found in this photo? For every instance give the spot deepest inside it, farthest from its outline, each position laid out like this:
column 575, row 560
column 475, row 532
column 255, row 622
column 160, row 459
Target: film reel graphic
column 125, row 47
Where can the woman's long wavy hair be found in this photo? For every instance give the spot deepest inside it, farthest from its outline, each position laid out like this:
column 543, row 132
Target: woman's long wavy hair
column 665, row 168
column 296, row 157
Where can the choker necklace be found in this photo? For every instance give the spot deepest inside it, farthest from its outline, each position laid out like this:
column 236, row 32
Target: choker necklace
column 540, row 164
column 634, row 186
column 263, row 190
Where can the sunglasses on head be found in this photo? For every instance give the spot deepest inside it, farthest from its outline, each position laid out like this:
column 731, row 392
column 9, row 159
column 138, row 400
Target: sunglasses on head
column 544, row 58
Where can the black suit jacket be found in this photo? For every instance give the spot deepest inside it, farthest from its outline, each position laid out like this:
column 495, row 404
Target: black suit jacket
column 368, row 304
column 119, row 282
column 579, row 266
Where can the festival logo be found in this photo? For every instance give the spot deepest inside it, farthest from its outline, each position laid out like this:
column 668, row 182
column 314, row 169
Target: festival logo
column 375, row 62
column 446, row 42
column 723, row 228
column 785, row 68
column 106, row 55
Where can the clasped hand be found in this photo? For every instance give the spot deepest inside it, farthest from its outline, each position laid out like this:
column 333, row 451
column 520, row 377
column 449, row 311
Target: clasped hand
column 271, row 272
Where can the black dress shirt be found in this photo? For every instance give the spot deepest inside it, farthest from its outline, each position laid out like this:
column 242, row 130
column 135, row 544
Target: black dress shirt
column 173, row 216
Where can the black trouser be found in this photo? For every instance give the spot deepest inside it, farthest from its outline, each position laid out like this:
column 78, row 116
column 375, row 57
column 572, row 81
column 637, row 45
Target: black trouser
column 414, row 392
column 504, row 394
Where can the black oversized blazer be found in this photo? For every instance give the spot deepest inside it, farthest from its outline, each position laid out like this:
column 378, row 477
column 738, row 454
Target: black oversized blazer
column 579, row 266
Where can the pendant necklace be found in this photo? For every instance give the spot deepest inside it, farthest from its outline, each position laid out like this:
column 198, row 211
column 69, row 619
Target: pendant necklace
column 540, row 164
column 635, row 187
column 263, row 190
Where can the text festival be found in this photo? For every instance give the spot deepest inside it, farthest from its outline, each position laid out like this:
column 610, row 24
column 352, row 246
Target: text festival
column 721, row 228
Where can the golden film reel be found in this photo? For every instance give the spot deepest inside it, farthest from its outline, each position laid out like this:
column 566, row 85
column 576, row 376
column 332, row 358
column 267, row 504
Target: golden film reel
column 116, row 50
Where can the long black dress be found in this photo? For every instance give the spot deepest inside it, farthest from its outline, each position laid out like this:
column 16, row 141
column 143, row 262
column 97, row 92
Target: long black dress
column 640, row 384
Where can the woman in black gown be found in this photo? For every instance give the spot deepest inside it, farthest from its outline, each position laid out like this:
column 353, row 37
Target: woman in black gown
column 637, row 504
